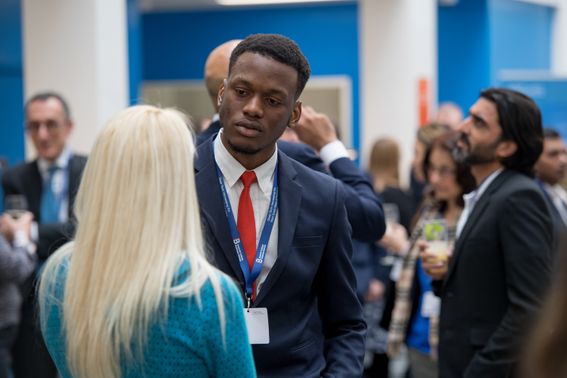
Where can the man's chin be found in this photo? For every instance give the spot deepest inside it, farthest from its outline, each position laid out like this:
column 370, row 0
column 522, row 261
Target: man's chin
column 244, row 150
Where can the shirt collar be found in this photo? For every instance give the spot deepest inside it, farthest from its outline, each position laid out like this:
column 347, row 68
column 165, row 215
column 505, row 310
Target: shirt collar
column 232, row 169
column 476, row 194
column 61, row 162
column 556, row 191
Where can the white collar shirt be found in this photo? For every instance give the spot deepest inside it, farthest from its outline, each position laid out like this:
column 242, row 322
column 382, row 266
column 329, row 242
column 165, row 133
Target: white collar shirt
column 472, row 198
column 260, row 194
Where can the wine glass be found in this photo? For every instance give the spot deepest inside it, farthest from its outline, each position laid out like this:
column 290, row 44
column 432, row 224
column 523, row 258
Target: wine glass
column 15, row 205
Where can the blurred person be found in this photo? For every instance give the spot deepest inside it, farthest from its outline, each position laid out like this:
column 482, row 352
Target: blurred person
column 133, row 294
column 49, row 184
column 17, row 263
column 277, row 227
column 500, row 266
column 384, row 169
column 424, row 136
column 550, row 171
column 545, row 352
column 415, row 315
column 363, row 207
column 449, row 114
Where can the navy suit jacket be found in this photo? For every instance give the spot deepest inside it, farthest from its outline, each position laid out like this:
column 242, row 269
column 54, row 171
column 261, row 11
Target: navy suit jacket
column 315, row 319
column 363, row 207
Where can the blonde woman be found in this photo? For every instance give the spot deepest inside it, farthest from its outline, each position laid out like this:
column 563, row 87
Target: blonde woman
column 133, row 295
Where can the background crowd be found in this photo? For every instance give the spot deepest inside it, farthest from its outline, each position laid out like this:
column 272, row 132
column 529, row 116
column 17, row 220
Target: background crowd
column 258, row 247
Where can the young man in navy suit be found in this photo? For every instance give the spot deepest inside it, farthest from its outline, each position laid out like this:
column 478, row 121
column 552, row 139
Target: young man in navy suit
column 364, row 209
column 279, row 229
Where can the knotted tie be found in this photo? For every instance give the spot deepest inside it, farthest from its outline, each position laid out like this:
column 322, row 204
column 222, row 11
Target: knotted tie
column 246, row 224
column 50, row 205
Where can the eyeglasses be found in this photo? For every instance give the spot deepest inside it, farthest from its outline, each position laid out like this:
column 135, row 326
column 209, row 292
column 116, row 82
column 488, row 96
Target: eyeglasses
column 34, row 126
column 441, row 171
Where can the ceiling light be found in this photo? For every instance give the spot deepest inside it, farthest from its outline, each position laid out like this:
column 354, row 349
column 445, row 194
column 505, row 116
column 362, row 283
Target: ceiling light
column 264, row 2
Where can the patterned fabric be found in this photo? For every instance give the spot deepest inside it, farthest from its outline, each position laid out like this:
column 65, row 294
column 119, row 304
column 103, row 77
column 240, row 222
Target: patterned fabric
column 403, row 304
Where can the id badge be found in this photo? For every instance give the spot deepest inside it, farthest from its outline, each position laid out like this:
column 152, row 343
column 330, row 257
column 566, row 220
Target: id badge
column 257, row 324
column 431, row 305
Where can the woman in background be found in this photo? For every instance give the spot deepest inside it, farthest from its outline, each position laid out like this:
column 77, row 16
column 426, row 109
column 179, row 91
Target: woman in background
column 133, row 295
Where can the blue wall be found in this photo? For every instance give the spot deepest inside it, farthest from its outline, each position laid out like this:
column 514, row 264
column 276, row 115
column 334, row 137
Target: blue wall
column 521, row 36
column 176, row 45
column 464, row 51
column 134, row 50
column 11, row 82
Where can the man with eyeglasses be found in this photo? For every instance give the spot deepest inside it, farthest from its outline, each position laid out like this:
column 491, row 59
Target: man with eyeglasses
column 49, row 185
column 500, row 266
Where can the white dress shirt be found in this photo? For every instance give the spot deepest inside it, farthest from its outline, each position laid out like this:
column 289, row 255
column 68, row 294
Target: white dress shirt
column 559, row 199
column 260, row 193
column 472, row 198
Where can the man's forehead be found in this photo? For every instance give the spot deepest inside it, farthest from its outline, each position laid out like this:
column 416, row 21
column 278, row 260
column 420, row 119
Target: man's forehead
column 554, row 144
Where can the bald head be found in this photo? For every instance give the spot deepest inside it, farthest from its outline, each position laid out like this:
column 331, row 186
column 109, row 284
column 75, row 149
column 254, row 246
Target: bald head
column 216, row 68
column 449, row 114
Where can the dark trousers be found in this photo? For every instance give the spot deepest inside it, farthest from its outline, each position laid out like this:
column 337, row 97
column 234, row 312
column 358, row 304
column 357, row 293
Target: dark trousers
column 7, row 337
column 30, row 358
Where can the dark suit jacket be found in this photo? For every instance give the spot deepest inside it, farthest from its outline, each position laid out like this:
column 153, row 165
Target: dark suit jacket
column 363, row 206
column 497, row 276
column 315, row 319
column 26, row 179
column 559, row 228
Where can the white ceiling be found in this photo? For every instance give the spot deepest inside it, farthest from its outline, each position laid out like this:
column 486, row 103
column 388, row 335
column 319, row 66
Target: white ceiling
column 176, row 5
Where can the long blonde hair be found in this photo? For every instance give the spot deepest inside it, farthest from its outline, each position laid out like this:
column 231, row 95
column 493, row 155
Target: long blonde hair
column 138, row 220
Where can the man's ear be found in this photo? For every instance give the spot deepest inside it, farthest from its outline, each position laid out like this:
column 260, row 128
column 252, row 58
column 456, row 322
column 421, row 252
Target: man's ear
column 221, row 93
column 506, row 148
column 295, row 114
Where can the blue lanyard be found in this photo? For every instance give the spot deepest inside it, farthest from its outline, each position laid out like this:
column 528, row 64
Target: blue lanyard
column 251, row 275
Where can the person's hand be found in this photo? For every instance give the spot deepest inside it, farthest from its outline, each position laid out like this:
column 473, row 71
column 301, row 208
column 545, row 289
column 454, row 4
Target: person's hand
column 375, row 291
column 434, row 267
column 315, row 129
column 9, row 226
column 395, row 239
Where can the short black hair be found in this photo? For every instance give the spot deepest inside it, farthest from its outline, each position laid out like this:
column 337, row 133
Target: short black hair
column 279, row 48
column 520, row 121
column 44, row 96
column 549, row 133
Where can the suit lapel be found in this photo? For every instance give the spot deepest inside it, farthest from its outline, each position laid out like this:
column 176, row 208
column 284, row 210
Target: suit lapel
column 289, row 202
column 33, row 183
column 211, row 204
column 473, row 220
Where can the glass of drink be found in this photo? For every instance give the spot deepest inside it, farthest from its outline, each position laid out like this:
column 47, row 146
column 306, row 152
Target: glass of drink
column 15, row 205
column 436, row 233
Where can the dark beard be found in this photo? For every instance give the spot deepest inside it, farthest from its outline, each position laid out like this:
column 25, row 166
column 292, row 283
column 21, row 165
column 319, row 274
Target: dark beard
column 481, row 155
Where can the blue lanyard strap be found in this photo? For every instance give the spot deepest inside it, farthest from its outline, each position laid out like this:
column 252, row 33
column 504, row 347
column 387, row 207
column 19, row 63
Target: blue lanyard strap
column 251, row 275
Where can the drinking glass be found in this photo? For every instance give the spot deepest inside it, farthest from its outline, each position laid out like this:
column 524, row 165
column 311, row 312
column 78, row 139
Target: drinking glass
column 436, row 233
column 15, row 205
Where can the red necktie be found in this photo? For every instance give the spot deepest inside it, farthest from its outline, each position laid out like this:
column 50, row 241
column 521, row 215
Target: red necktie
column 246, row 224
